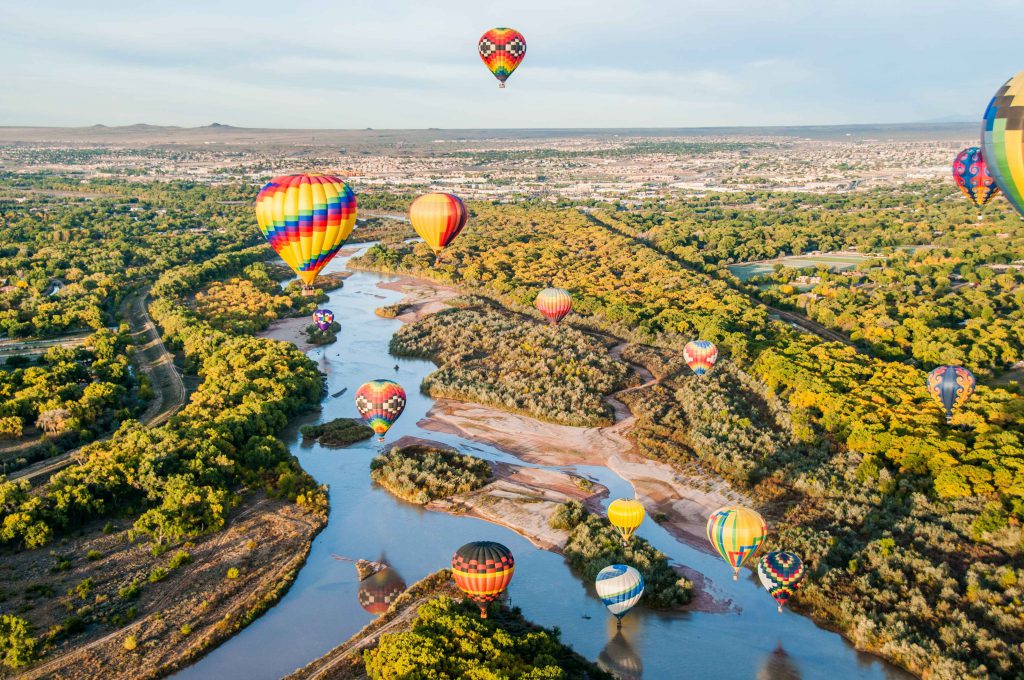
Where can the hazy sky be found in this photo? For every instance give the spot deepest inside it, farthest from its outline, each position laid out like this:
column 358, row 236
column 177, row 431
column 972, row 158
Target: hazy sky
column 413, row 64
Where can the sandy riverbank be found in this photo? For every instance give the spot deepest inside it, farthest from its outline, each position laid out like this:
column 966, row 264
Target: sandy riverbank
column 421, row 299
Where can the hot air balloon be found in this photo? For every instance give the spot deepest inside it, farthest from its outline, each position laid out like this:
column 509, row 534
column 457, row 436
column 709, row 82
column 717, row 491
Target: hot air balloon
column 972, row 176
column 306, row 218
column 379, row 590
column 781, row 573
column 438, row 219
column 323, row 318
column 736, row 533
column 700, row 356
column 502, row 50
column 483, row 570
column 1002, row 140
column 951, row 386
column 619, row 586
column 554, row 303
column 625, row 515
column 380, row 402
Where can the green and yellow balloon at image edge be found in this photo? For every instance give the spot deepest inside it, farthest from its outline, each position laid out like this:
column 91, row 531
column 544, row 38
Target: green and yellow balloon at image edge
column 1002, row 140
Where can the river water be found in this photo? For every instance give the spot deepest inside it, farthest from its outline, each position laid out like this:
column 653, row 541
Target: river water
column 322, row 608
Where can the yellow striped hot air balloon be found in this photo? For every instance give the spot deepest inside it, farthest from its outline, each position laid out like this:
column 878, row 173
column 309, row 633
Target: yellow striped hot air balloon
column 626, row 515
column 736, row 533
column 438, row 219
column 306, row 219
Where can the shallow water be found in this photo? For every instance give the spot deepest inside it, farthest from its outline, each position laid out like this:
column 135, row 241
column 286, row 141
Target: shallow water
column 322, row 609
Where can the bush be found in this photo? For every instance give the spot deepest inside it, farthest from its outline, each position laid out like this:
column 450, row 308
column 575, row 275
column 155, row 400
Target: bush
column 338, row 432
column 93, row 555
column 180, row 558
column 158, row 574
column 568, row 515
column 232, row 573
column 130, row 591
column 17, row 646
column 130, row 643
column 420, row 474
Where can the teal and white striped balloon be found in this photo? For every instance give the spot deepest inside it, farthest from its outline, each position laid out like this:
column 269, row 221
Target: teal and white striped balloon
column 619, row 586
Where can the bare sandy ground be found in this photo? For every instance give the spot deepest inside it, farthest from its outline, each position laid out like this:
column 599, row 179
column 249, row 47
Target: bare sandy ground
column 685, row 501
column 422, row 298
column 289, row 330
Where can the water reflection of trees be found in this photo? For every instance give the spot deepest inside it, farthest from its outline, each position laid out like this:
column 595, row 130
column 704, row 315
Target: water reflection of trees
column 778, row 665
column 619, row 658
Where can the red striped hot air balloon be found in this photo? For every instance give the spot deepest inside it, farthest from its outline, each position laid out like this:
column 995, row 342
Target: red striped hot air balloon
column 438, row 219
column 306, row 219
column 700, row 356
column 483, row 570
column 554, row 303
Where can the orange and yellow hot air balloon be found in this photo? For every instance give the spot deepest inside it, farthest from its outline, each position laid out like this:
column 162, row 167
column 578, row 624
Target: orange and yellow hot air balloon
column 736, row 533
column 438, row 219
column 626, row 515
column 483, row 570
column 306, row 219
column 554, row 303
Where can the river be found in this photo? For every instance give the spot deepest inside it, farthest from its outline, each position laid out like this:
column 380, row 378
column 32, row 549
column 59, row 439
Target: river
column 322, row 609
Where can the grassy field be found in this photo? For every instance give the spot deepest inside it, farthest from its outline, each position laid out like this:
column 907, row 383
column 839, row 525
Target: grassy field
column 834, row 261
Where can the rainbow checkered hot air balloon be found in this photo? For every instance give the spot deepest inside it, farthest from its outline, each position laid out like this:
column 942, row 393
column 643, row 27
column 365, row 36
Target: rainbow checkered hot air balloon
column 951, row 386
column 438, row 219
column 972, row 176
column 323, row 318
column 781, row 573
column 554, row 303
column 502, row 50
column 620, row 587
column 306, row 219
column 380, row 402
column 700, row 356
column 1002, row 140
column 736, row 533
column 483, row 570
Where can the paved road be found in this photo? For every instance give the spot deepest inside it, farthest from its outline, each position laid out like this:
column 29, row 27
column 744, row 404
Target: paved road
column 150, row 357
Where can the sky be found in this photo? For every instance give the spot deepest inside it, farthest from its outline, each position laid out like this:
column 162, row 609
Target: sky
column 414, row 64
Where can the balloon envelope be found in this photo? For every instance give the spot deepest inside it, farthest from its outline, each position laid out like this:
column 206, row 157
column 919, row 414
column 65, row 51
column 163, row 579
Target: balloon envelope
column 700, row 355
column 951, row 386
column 380, row 402
column 620, row 587
column 973, row 178
column 781, row 573
column 323, row 318
column 483, row 570
column 502, row 50
column 736, row 533
column 1002, row 140
column 306, row 219
column 379, row 590
column 554, row 303
column 438, row 218
column 626, row 515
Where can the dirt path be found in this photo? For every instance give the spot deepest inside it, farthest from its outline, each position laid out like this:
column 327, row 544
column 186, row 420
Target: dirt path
column 150, row 357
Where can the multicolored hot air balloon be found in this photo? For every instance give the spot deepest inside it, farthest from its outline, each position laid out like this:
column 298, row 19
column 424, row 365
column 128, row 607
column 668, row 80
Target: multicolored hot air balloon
column 380, row 402
column 700, row 356
column 438, row 219
column 1002, row 140
column 972, row 176
column 781, row 573
column 620, row 587
column 483, row 570
column 554, row 303
column 379, row 590
column 502, row 50
column 736, row 533
column 306, row 219
column 626, row 515
column 323, row 318
column 951, row 386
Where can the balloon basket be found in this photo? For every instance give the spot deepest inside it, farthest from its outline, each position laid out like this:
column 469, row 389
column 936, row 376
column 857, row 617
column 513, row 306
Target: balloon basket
column 501, row 86
column 309, row 291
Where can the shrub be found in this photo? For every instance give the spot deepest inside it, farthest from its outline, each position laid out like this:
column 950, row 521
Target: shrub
column 17, row 646
column 180, row 558
column 130, row 643
column 158, row 574
column 93, row 555
column 232, row 573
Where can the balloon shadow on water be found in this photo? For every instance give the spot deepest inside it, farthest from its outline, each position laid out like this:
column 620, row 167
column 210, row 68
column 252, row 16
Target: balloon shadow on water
column 620, row 659
column 777, row 665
